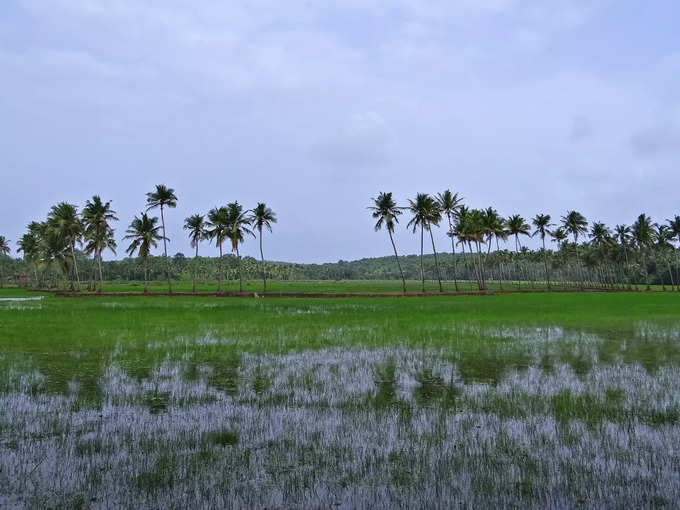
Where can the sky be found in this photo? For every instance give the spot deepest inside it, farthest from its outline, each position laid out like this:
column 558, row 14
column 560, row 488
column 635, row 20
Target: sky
column 314, row 107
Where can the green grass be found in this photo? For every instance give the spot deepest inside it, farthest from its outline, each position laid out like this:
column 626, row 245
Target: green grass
column 327, row 286
column 67, row 339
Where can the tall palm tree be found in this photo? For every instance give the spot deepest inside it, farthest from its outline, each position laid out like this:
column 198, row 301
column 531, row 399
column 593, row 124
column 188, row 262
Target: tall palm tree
column 575, row 223
column 421, row 209
column 262, row 218
column 516, row 226
column 644, row 236
column 4, row 251
column 197, row 228
column 434, row 218
column 387, row 213
column 559, row 235
column 144, row 234
column 163, row 197
column 97, row 216
column 449, row 204
column 65, row 222
column 622, row 233
column 217, row 229
column 542, row 228
column 238, row 224
column 29, row 244
column 674, row 226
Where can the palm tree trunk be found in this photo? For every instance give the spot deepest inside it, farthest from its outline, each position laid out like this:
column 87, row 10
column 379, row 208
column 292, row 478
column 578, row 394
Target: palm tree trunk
column 264, row 268
column 453, row 251
column 422, row 271
column 240, row 275
column 165, row 252
column 396, row 256
column 436, row 261
column 101, row 276
column 220, row 272
column 75, row 265
column 193, row 285
column 146, row 279
column 545, row 263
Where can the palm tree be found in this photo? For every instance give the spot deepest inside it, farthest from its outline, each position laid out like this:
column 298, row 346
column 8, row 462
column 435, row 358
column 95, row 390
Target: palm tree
column 238, row 223
column 387, row 213
column 600, row 233
column 516, row 226
column 262, row 218
column 449, row 204
column 163, row 197
column 434, row 217
column 559, row 235
column 98, row 231
column 217, row 229
column 575, row 223
column 644, row 236
column 196, row 226
column 65, row 222
column 421, row 208
column 674, row 226
column 541, row 228
column 622, row 234
column 145, row 234
column 4, row 251
column 29, row 244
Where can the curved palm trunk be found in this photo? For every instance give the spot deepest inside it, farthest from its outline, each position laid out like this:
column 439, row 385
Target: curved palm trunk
column 519, row 279
column 422, row 271
column 396, row 256
column 453, row 252
column 165, row 252
column 264, row 267
column 500, row 266
column 436, row 261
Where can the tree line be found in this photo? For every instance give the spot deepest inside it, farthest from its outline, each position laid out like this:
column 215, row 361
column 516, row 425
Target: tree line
column 605, row 257
column 52, row 244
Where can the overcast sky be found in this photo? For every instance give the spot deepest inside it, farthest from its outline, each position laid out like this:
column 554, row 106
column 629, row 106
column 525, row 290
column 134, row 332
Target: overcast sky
column 315, row 106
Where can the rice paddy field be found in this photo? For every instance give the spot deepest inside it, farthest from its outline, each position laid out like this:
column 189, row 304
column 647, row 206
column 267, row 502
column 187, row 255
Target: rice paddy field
column 520, row 400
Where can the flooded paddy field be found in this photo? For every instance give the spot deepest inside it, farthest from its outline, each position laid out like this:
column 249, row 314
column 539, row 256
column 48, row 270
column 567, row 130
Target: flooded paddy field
column 532, row 400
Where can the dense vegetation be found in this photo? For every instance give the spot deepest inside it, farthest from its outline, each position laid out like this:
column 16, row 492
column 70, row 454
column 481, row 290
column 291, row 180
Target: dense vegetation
column 68, row 247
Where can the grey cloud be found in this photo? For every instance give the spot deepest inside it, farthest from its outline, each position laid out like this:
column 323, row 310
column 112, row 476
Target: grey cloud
column 655, row 140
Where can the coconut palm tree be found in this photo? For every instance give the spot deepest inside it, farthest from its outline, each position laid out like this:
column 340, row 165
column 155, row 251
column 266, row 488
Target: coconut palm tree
column 4, row 251
column 217, row 229
column 54, row 251
column 559, row 235
column 238, row 224
column 644, row 237
column 575, row 223
column 387, row 213
column 197, row 228
column 262, row 218
column 600, row 233
column 65, row 222
column 97, row 216
column 163, row 197
column 516, row 226
column 29, row 244
column 674, row 226
column 421, row 209
column 542, row 228
column 434, row 218
column 449, row 204
column 622, row 234
column 144, row 234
